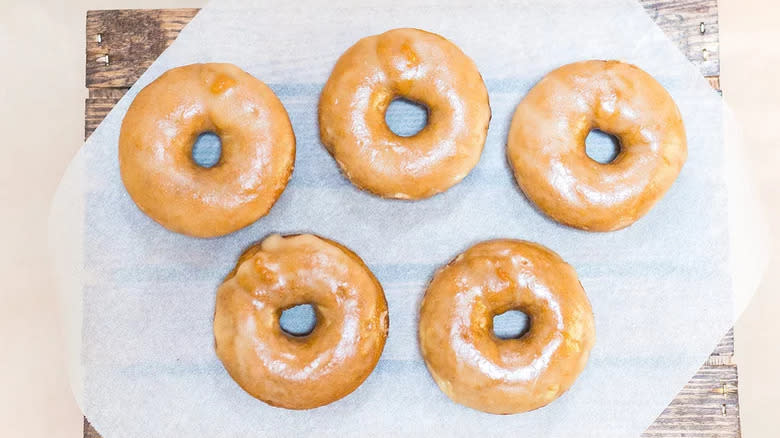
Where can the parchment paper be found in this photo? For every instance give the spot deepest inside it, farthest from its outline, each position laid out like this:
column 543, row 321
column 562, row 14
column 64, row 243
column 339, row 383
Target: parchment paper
column 140, row 299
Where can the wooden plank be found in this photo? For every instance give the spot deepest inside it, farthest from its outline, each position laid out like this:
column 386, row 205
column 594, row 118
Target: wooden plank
column 96, row 110
column 693, row 25
column 708, row 406
column 714, row 82
column 726, row 345
column 133, row 39
column 89, row 431
column 121, row 44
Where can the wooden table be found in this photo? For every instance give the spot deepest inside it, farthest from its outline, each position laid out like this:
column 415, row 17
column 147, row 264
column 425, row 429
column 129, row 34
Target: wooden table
column 122, row 44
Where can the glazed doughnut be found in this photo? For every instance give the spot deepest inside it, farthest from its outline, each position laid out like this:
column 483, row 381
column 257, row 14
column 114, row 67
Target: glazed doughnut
column 163, row 123
column 474, row 367
column 419, row 66
column 546, row 144
column 300, row 372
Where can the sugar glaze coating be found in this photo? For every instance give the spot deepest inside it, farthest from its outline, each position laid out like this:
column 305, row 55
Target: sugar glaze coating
column 419, row 66
column 546, row 144
column 163, row 123
column 300, row 372
column 475, row 368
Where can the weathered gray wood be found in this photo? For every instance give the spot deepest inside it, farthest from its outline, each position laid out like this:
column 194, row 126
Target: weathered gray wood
column 693, row 25
column 706, row 407
column 726, row 345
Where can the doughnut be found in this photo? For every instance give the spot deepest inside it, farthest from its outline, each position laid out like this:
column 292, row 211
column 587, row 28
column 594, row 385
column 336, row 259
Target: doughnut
column 161, row 127
column 421, row 67
column 300, row 372
column 473, row 366
column 546, row 144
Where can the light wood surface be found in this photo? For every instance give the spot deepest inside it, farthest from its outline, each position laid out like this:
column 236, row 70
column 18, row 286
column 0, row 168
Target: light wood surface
column 121, row 44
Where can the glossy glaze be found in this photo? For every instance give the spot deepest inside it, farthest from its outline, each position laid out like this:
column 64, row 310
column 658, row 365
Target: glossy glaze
column 546, row 144
column 419, row 66
column 309, row 371
column 161, row 126
column 505, row 376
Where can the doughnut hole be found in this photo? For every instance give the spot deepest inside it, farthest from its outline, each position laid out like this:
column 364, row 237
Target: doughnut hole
column 602, row 147
column 512, row 324
column 406, row 118
column 207, row 150
column 299, row 320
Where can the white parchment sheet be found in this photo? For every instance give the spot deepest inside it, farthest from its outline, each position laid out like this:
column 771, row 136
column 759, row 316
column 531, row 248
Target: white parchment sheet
column 140, row 299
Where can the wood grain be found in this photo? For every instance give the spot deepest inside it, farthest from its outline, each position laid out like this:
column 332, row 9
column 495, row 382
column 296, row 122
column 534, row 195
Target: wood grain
column 708, row 406
column 693, row 25
column 121, row 44
column 132, row 39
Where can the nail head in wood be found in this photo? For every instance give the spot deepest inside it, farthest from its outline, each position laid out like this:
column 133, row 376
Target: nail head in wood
column 99, row 38
column 103, row 59
column 702, row 29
